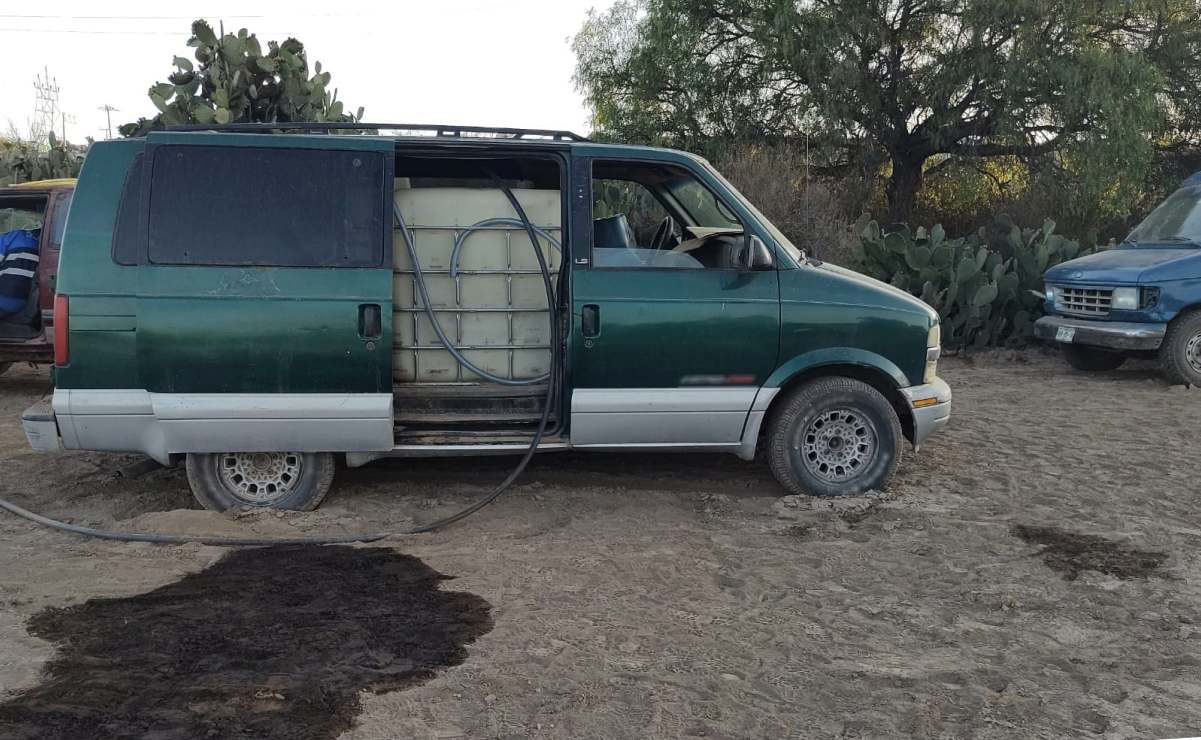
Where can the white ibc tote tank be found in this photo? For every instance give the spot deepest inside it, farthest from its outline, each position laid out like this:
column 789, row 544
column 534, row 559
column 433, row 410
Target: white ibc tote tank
column 494, row 309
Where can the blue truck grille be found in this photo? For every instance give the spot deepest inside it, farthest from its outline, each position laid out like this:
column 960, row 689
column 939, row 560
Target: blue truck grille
column 1083, row 301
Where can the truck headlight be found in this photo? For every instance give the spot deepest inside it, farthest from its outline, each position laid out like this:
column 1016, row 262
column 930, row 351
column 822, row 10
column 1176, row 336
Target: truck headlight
column 1125, row 299
column 933, row 352
column 1050, row 294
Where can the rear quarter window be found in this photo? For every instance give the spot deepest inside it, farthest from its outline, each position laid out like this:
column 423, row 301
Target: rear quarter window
column 270, row 207
column 125, row 233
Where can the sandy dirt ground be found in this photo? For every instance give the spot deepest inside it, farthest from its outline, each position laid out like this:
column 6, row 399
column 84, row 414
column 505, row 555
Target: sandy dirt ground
column 1032, row 573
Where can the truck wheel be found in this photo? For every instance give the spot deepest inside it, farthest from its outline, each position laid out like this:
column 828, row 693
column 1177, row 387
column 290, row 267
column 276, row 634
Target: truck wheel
column 1180, row 353
column 276, row 480
column 834, row 437
column 4, row 366
column 1091, row 359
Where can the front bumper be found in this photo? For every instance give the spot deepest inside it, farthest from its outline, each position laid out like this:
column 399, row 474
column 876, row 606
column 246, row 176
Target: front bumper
column 1112, row 334
column 930, row 406
column 41, row 429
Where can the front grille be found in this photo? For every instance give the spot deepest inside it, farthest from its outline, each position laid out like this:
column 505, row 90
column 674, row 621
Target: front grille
column 1084, row 301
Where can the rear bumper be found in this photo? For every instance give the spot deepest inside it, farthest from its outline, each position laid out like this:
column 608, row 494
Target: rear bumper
column 41, row 428
column 930, row 406
column 1110, row 334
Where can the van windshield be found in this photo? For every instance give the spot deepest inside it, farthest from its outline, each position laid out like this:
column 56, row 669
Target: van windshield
column 1177, row 221
column 776, row 234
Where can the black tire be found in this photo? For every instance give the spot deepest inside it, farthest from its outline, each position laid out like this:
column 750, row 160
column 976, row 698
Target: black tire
column 4, row 366
column 1180, row 353
column 1092, row 359
column 798, row 448
column 301, row 480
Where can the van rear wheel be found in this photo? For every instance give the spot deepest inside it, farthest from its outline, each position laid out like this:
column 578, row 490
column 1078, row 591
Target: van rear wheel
column 834, row 437
column 275, row 480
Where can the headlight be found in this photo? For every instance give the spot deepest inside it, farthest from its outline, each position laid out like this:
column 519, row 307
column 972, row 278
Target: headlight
column 1050, row 294
column 933, row 352
column 1125, row 299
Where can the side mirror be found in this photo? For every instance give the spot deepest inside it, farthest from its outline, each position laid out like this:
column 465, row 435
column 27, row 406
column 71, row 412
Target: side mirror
column 755, row 255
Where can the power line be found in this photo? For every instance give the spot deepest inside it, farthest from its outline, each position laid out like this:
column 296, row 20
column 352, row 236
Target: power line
column 118, row 33
column 21, row 16
column 119, row 17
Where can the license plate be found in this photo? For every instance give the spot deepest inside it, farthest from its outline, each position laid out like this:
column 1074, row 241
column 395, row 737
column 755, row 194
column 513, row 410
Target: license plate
column 1065, row 334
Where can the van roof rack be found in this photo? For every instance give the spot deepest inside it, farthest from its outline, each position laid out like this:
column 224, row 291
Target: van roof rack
column 405, row 129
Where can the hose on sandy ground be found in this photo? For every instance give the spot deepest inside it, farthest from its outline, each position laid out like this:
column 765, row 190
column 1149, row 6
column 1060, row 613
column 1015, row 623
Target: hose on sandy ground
column 184, row 539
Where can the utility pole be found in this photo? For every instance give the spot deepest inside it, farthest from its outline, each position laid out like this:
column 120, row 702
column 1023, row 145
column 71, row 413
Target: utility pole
column 66, row 118
column 108, row 114
column 45, row 110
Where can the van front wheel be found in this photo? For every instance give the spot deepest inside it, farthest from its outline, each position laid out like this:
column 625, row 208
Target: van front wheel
column 1180, row 353
column 834, row 437
column 275, row 480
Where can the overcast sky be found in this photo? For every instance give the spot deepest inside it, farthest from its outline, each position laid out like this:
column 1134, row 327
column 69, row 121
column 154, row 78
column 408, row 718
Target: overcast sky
column 484, row 62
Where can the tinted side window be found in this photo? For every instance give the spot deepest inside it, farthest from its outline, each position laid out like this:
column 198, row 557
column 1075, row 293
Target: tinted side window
column 125, row 233
column 281, row 207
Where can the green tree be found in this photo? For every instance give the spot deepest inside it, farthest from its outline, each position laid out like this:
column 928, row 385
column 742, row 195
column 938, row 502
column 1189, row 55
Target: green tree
column 888, row 86
column 235, row 81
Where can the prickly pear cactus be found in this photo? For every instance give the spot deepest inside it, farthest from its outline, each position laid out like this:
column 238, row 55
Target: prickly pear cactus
column 235, row 81
column 22, row 161
column 987, row 289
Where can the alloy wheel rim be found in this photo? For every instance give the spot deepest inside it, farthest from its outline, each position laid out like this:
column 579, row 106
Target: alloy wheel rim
column 259, row 478
column 838, row 445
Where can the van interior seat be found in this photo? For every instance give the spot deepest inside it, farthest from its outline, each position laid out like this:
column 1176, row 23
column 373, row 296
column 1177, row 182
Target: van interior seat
column 26, row 323
column 613, row 232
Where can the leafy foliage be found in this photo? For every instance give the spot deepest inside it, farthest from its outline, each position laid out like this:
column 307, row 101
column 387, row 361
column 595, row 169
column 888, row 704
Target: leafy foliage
column 883, row 86
column 22, row 161
column 987, row 287
column 235, row 81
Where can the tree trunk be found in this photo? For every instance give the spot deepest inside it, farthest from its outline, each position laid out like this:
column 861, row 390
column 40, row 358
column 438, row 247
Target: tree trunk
column 903, row 187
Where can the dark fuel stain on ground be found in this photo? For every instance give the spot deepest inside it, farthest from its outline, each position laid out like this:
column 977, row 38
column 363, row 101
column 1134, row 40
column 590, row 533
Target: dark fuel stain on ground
column 1071, row 553
column 267, row 643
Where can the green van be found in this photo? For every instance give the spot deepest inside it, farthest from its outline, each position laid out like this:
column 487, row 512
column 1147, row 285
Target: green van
column 264, row 305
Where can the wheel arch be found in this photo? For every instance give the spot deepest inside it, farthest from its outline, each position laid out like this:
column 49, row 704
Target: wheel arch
column 1185, row 311
column 884, row 376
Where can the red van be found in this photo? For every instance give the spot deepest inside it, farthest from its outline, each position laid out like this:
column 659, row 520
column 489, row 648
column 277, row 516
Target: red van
column 29, row 336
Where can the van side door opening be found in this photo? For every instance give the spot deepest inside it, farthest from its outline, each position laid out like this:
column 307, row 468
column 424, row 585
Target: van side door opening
column 486, row 291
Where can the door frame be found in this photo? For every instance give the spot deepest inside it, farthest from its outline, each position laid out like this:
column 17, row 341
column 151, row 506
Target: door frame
column 665, row 417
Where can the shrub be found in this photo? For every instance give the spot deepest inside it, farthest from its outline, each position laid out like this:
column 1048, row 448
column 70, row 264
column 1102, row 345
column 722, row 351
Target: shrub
column 986, row 287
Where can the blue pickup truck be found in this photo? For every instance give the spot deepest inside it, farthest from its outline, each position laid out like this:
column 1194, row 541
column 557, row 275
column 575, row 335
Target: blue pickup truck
column 1141, row 299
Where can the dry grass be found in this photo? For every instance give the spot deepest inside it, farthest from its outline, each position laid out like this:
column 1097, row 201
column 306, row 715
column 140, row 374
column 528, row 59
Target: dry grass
column 815, row 213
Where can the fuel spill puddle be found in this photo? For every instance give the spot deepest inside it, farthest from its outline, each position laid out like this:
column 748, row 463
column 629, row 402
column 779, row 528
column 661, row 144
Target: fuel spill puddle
column 274, row 642
column 1071, row 553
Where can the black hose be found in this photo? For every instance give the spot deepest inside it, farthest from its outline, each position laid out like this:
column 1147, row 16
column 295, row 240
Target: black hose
column 183, row 539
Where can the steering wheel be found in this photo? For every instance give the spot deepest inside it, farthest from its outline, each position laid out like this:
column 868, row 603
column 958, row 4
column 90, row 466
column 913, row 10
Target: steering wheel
column 665, row 235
